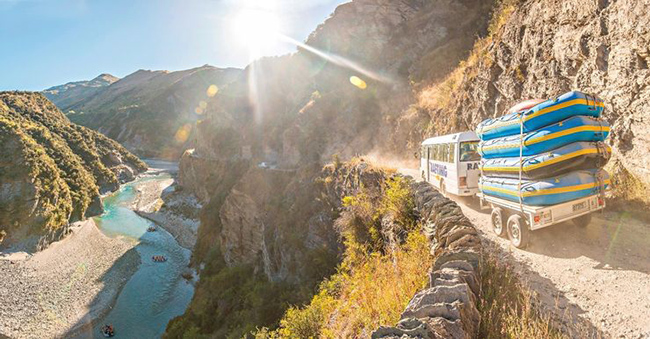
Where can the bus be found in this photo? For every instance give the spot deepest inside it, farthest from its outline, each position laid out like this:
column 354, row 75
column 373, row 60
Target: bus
column 451, row 163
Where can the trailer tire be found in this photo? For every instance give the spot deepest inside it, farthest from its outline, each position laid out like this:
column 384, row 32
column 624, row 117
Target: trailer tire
column 518, row 231
column 497, row 221
column 582, row 221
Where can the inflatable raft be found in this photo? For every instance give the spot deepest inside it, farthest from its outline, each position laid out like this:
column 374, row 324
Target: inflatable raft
column 550, row 191
column 572, row 157
column 579, row 128
column 548, row 112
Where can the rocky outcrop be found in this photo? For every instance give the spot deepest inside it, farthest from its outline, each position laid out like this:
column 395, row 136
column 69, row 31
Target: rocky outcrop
column 447, row 308
column 543, row 48
column 53, row 171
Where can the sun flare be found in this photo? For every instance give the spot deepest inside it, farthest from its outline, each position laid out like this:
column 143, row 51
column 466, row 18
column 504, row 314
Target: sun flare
column 256, row 29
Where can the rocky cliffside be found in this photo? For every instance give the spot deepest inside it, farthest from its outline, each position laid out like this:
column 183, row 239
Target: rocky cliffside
column 543, row 48
column 151, row 113
column 52, row 171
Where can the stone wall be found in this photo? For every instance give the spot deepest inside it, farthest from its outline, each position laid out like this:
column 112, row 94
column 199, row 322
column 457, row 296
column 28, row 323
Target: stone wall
column 447, row 308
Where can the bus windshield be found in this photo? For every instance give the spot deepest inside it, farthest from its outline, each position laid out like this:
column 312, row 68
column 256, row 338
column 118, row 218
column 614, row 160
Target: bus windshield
column 468, row 151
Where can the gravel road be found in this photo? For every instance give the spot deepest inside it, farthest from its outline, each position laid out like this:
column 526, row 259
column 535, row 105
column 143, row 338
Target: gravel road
column 598, row 276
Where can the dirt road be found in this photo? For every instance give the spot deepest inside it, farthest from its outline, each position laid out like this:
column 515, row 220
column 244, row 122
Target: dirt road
column 598, row 275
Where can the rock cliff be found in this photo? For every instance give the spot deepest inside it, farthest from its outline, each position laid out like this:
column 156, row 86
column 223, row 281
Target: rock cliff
column 543, row 48
column 52, row 171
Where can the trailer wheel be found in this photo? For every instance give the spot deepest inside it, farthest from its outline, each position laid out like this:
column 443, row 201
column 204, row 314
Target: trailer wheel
column 518, row 231
column 583, row 220
column 497, row 221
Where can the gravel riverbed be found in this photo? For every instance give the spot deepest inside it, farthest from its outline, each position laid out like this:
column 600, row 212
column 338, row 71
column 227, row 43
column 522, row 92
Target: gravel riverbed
column 64, row 286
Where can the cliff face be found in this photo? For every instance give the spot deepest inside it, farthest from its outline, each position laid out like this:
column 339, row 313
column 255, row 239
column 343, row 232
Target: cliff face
column 151, row 113
column 539, row 49
column 53, row 171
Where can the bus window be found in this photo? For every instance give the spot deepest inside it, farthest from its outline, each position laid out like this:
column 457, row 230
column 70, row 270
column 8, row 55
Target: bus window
column 445, row 152
column 468, row 151
column 452, row 152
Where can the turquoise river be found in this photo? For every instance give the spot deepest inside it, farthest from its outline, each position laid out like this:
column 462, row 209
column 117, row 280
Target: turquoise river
column 156, row 293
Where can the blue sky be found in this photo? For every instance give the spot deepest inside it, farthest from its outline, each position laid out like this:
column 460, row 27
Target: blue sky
column 50, row 42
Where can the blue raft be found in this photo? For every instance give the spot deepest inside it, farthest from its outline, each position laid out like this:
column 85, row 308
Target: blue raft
column 572, row 157
column 550, row 191
column 579, row 128
column 548, row 112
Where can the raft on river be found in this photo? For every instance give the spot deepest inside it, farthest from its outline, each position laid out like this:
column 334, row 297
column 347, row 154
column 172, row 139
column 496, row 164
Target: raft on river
column 549, row 191
column 548, row 112
column 572, row 157
column 574, row 129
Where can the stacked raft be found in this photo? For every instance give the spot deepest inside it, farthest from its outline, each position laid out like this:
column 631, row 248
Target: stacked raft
column 546, row 153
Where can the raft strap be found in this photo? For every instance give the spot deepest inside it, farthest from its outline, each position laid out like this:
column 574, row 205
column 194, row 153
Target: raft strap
column 521, row 162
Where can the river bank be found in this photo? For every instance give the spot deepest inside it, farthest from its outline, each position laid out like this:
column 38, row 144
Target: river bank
column 174, row 210
column 64, row 286
column 100, row 272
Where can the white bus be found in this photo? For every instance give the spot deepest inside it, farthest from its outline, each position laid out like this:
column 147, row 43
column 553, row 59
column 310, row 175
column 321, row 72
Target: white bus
column 451, row 163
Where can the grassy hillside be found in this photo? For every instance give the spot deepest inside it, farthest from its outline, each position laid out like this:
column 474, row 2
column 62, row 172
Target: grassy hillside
column 52, row 171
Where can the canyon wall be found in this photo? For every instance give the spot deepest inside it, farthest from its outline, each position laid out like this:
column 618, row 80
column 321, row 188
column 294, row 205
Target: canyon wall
column 543, row 48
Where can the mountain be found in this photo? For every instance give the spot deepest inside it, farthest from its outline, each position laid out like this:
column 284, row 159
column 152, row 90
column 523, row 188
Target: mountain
column 381, row 76
column 72, row 93
column 52, row 172
column 152, row 113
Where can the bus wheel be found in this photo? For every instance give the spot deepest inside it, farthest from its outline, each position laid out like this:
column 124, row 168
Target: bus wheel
column 583, row 220
column 518, row 231
column 497, row 221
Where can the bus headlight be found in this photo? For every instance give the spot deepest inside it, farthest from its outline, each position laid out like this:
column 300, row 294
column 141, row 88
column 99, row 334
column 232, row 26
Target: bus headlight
column 462, row 181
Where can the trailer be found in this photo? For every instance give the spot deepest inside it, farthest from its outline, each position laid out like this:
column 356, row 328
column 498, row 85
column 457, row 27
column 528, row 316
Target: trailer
column 522, row 219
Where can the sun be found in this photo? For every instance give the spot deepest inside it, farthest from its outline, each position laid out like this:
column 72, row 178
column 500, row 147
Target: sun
column 256, row 29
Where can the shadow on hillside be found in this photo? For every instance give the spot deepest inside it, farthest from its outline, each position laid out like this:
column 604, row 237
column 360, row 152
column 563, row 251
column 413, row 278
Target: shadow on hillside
column 564, row 315
column 616, row 240
column 101, row 305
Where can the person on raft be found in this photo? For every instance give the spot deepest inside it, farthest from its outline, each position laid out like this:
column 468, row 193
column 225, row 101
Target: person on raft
column 108, row 330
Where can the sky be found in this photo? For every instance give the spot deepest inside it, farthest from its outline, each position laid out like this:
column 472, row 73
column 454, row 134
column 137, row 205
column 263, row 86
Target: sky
column 44, row 43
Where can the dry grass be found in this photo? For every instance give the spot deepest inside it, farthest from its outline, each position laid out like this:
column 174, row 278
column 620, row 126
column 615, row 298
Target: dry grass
column 368, row 291
column 443, row 94
column 507, row 306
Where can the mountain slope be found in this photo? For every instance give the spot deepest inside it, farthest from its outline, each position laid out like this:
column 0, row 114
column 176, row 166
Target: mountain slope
column 72, row 93
column 543, row 48
column 270, row 229
column 150, row 112
column 53, row 171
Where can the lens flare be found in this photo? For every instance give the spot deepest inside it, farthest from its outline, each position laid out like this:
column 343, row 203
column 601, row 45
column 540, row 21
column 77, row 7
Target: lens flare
column 183, row 133
column 339, row 60
column 212, row 90
column 355, row 80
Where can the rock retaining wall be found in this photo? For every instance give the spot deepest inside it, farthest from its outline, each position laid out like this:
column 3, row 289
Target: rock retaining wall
column 447, row 308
